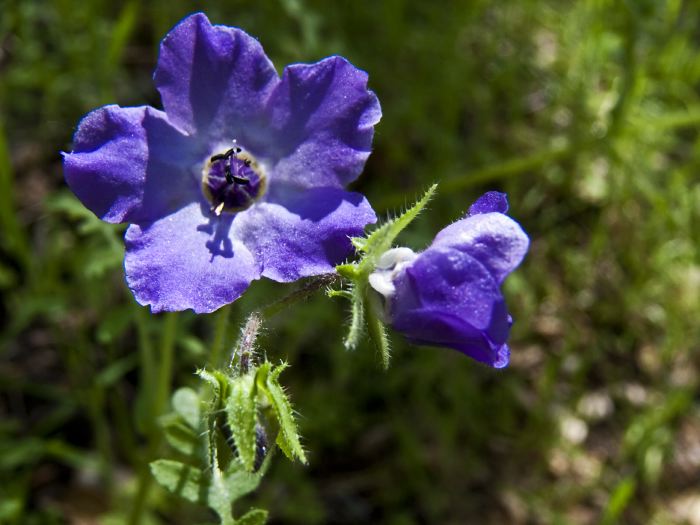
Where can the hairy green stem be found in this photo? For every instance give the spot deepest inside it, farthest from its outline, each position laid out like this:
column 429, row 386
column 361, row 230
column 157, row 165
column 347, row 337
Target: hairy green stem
column 307, row 289
column 245, row 348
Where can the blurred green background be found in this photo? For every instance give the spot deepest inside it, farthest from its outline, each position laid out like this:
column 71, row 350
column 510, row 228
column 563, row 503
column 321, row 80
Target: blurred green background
column 585, row 112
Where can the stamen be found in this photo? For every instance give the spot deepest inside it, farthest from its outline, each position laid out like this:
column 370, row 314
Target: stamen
column 219, row 156
column 232, row 180
column 230, row 177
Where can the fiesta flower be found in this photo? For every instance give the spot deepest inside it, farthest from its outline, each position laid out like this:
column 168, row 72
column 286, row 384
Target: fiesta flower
column 241, row 176
column 449, row 295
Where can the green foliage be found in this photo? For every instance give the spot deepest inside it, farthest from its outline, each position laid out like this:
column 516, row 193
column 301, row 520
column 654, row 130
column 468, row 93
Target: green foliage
column 215, row 432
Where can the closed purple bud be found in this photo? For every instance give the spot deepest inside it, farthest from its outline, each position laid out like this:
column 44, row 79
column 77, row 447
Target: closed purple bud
column 449, row 295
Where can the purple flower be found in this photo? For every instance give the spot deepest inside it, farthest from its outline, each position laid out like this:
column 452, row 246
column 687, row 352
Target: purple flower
column 449, row 295
column 241, row 176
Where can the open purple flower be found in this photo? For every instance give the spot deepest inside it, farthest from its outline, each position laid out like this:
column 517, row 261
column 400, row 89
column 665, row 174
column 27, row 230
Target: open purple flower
column 241, row 176
column 449, row 295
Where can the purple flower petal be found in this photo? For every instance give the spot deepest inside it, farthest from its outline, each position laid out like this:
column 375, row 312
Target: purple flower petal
column 303, row 233
column 323, row 118
column 182, row 262
column 494, row 239
column 232, row 159
column 129, row 164
column 214, row 80
column 491, row 201
column 436, row 329
column 447, row 298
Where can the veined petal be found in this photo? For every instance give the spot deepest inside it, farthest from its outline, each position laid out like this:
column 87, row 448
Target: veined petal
column 130, row 164
column 303, row 233
column 494, row 239
column 322, row 117
column 437, row 329
column 455, row 283
column 447, row 298
column 213, row 79
column 187, row 260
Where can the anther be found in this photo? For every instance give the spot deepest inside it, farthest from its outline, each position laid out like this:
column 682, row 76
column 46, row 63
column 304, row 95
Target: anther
column 232, row 180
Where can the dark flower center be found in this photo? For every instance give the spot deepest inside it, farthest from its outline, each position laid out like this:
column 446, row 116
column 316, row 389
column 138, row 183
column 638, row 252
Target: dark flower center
column 232, row 180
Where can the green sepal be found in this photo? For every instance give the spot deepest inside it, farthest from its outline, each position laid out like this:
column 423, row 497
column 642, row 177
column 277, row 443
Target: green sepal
column 241, row 416
column 364, row 316
column 376, row 329
column 358, row 243
column 288, row 440
column 357, row 320
column 345, row 294
column 381, row 239
column 348, row 271
column 219, row 383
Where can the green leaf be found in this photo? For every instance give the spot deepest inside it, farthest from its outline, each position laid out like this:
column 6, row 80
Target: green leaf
column 619, row 500
column 288, row 438
column 120, row 34
column 239, row 482
column 180, row 479
column 186, row 404
column 241, row 415
column 253, row 517
column 179, row 435
column 112, row 373
column 115, row 323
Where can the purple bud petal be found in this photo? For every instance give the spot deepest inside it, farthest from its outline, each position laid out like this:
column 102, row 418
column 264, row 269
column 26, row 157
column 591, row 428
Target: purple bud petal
column 491, row 201
column 449, row 295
